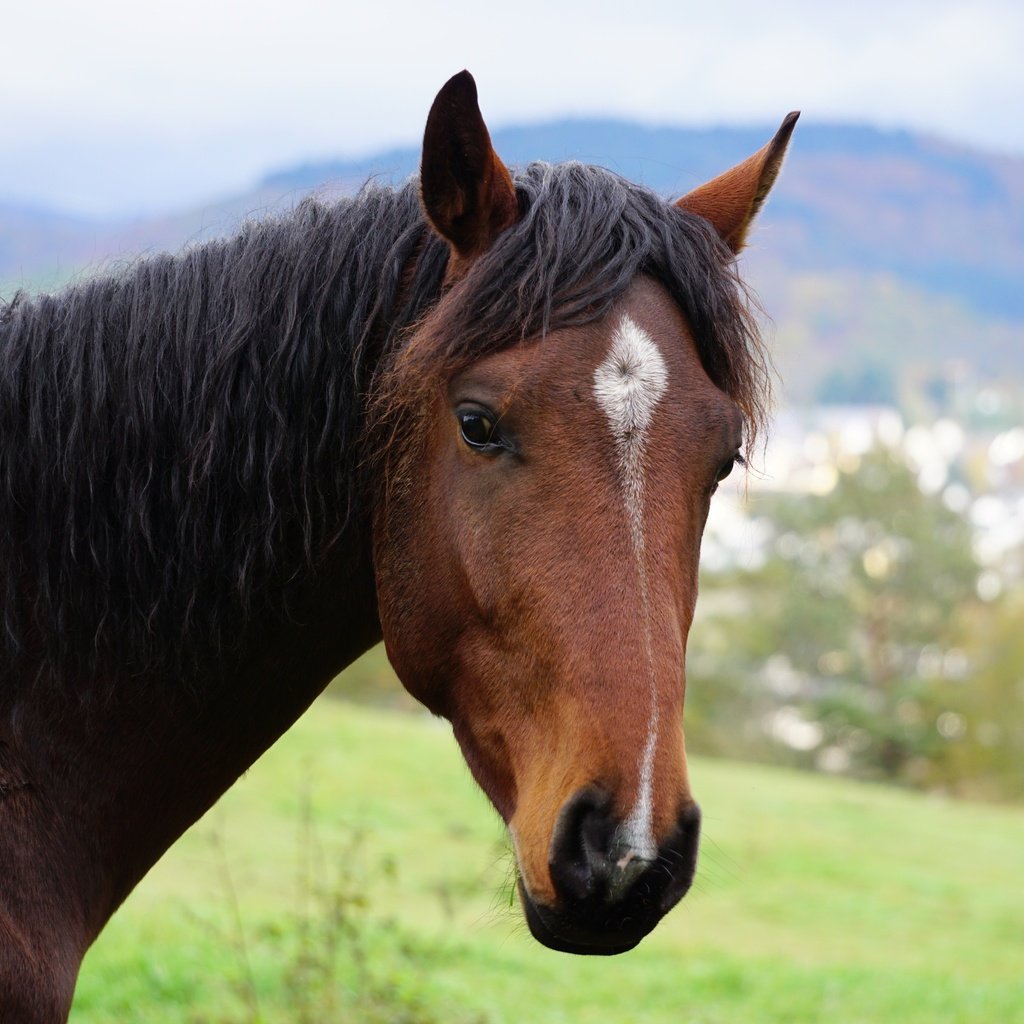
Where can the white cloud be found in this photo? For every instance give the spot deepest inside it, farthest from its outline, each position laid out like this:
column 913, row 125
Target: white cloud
column 205, row 94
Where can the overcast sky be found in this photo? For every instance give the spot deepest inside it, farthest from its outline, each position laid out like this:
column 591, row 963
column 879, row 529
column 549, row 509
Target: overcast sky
column 115, row 105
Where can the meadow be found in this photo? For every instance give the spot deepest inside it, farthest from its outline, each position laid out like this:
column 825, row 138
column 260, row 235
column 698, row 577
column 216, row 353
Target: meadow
column 356, row 874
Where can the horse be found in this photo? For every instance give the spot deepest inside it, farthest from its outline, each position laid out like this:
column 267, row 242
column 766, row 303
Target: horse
column 479, row 416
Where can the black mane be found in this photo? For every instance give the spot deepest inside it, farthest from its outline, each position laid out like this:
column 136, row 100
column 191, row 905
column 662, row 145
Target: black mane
column 180, row 442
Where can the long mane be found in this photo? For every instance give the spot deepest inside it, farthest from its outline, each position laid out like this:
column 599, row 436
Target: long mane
column 181, row 442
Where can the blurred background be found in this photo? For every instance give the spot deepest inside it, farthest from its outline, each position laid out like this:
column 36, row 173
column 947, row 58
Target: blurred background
column 856, row 672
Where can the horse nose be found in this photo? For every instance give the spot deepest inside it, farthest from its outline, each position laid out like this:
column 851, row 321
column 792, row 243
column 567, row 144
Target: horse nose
column 592, row 859
column 610, row 891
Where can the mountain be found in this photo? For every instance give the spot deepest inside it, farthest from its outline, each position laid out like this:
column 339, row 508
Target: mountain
column 880, row 250
column 941, row 217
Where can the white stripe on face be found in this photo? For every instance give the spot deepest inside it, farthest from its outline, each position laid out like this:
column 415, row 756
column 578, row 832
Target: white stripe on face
column 628, row 386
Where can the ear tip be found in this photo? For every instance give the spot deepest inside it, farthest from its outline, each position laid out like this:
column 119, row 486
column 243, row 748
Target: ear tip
column 781, row 140
column 463, row 84
column 456, row 101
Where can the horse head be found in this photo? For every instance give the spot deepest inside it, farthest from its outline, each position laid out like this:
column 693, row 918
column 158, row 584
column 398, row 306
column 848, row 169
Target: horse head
column 542, row 501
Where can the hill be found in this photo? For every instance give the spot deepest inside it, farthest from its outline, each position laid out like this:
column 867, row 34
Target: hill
column 816, row 900
column 880, row 250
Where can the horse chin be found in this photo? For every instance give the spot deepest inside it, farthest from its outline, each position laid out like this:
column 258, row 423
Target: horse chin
column 553, row 930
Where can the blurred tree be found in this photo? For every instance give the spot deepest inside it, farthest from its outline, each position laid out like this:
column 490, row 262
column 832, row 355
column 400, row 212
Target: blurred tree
column 986, row 710
column 846, row 645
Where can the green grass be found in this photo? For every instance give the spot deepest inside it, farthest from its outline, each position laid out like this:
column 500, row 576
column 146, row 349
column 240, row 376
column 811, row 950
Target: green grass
column 816, row 900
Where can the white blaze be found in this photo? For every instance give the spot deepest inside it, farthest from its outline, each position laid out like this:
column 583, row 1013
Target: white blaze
column 628, row 386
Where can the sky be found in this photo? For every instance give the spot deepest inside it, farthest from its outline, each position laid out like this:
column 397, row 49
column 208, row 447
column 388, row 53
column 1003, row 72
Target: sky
column 117, row 107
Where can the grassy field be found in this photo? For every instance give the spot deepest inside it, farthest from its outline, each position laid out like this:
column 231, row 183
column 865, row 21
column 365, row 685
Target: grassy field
column 355, row 874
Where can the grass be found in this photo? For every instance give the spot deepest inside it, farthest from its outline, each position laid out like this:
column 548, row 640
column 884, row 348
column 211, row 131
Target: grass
column 816, row 900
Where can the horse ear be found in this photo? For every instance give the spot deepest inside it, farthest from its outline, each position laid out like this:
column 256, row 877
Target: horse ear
column 732, row 200
column 467, row 191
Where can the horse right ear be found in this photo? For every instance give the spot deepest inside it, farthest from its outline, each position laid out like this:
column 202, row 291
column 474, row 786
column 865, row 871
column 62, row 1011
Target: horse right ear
column 467, row 191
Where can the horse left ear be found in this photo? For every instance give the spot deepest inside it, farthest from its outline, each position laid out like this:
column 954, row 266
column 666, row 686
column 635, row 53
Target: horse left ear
column 467, row 191
column 733, row 199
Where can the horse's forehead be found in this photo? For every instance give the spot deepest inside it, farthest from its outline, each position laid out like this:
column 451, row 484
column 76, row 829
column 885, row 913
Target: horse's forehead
column 649, row 305
column 567, row 359
column 646, row 329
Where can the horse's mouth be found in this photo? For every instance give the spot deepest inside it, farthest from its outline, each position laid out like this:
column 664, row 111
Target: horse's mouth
column 561, row 936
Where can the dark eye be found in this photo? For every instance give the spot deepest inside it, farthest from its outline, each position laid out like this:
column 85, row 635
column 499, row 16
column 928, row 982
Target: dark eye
column 479, row 431
column 725, row 470
column 737, row 459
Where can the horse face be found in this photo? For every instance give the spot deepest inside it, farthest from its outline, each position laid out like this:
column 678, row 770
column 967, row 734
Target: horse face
column 536, row 553
column 540, row 594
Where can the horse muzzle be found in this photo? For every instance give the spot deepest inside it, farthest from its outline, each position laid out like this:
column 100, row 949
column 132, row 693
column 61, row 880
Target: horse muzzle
column 608, row 896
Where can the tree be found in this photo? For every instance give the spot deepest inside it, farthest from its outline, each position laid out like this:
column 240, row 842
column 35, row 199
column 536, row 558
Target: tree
column 845, row 642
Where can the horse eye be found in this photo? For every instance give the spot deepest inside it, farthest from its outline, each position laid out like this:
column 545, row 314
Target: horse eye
column 736, row 460
column 477, row 430
column 726, row 470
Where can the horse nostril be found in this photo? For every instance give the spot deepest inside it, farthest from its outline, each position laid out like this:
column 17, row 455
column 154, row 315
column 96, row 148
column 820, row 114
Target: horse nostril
column 588, row 860
column 580, row 843
column 626, row 866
